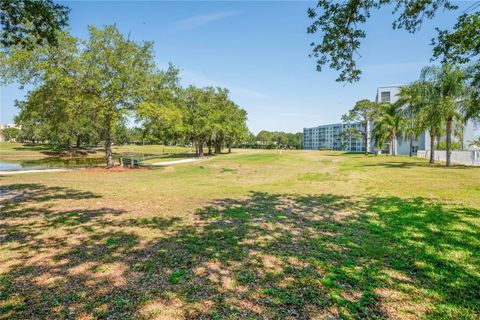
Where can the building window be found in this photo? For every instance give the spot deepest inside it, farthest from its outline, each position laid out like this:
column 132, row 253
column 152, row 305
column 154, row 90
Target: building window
column 385, row 96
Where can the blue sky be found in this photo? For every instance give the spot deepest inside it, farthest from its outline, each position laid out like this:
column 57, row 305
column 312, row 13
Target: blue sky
column 259, row 50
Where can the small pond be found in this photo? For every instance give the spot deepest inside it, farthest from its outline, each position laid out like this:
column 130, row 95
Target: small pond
column 49, row 163
column 77, row 162
column 60, row 163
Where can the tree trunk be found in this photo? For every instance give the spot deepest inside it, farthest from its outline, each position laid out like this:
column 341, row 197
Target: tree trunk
column 432, row 146
column 218, row 148
column 448, row 141
column 411, row 146
column 229, row 149
column 209, row 146
column 394, row 143
column 108, row 143
column 366, row 138
column 78, row 142
column 393, row 148
column 200, row 149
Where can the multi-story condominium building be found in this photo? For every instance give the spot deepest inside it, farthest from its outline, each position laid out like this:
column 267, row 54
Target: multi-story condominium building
column 329, row 137
column 389, row 94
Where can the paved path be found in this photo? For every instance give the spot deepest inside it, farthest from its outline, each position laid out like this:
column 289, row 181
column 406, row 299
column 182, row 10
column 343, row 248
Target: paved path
column 168, row 163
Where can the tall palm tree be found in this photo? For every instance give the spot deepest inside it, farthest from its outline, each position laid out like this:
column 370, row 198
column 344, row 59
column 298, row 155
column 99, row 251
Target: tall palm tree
column 379, row 136
column 449, row 94
column 410, row 102
column 432, row 121
column 388, row 124
column 418, row 101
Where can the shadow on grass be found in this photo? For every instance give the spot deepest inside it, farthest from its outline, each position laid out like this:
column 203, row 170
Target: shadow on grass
column 17, row 195
column 271, row 256
column 398, row 164
column 338, row 153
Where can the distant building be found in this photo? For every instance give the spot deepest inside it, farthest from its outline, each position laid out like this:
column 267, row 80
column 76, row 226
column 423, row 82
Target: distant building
column 5, row 126
column 329, row 137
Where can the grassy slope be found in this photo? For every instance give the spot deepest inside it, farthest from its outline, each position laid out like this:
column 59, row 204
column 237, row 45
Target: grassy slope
column 272, row 234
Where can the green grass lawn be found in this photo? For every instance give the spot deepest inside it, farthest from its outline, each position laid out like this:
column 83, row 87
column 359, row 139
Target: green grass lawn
column 249, row 235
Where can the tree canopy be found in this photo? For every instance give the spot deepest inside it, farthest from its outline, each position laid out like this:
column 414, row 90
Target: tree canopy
column 274, row 140
column 86, row 91
column 340, row 25
column 31, row 22
column 363, row 113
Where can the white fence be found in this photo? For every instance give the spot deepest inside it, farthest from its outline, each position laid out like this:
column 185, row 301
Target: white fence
column 469, row 158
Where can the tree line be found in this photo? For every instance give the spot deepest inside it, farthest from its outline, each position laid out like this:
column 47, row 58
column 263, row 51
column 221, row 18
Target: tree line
column 86, row 91
column 273, row 140
column 441, row 101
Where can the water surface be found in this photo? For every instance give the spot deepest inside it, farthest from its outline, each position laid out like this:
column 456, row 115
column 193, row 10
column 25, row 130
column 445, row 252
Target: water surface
column 49, row 163
column 62, row 163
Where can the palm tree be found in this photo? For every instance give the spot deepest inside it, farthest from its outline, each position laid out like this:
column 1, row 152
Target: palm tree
column 388, row 124
column 418, row 102
column 449, row 94
column 475, row 143
column 432, row 121
column 380, row 136
column 410, row 102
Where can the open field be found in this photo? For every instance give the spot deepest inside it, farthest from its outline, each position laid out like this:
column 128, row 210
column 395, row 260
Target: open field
column 251, row 235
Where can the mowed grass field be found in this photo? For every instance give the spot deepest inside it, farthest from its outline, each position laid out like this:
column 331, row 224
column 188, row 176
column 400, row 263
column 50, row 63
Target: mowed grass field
column 249, row 235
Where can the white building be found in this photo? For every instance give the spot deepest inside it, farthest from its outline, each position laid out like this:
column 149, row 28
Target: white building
column 389, row 94
column 329, row 137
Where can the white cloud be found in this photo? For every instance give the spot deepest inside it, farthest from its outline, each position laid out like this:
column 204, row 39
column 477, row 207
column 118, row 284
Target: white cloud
column 203, row 19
